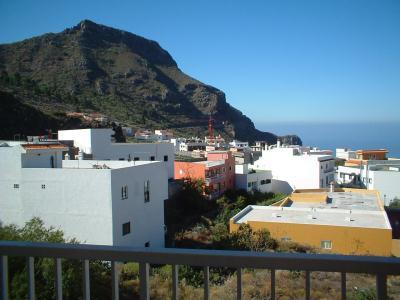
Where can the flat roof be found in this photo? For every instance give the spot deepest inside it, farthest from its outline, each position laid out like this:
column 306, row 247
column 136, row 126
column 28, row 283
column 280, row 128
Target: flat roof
column 44, row 146
column 103, row 164
column 316, row 216
column 341, row 200
column 211, row 163
column 371, row 150
column 347, row 207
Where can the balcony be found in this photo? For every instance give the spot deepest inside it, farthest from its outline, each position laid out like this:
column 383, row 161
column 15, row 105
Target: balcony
column 214, row 178
column 378, row 266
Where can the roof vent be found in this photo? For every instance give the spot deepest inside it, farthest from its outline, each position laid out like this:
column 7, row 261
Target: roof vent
column 275, row 215
column 349, row 219
column 311, row 217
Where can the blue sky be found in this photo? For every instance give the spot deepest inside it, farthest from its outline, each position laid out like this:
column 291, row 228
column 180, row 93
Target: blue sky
column 275, row 60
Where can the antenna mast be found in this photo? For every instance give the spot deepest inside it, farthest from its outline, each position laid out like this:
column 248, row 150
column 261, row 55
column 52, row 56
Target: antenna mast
column 210, row 127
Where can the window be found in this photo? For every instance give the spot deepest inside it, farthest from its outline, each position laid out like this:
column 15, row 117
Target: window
column 249, row 184
column 369, row 180
column 262, row 181
column 147, row 244
column 147, row 191
column 165, row 157
column 152, row 158
column 326, row 244
column 136, row 158
column 121, row 159
column 124, row 192
column 267, row 181
column 16, row 186
column 126, row 228
column 43, row 186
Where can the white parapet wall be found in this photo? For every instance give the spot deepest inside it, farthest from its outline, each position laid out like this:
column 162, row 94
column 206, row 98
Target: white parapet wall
column 97, row 142
column 88, row 200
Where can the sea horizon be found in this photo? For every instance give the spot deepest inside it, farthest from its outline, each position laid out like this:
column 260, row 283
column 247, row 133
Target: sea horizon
column 332, row 135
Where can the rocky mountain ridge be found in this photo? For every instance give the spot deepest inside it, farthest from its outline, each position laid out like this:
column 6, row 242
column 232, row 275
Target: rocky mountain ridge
column 132, row 80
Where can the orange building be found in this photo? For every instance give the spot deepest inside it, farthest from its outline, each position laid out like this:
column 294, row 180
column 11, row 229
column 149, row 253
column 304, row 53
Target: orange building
column 362, row 157
column 218, row 172
column 379, row 154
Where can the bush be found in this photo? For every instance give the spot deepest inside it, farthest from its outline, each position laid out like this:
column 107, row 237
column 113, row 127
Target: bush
column 395, row 203
column 35, row 231
column 363, row 294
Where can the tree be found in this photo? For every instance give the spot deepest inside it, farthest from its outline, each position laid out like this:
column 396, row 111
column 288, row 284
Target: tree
column 395, row 203
column 118, row 133
column 35, row 231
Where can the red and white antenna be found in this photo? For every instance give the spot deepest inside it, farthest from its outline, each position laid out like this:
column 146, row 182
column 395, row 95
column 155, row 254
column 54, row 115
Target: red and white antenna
column 210, row 127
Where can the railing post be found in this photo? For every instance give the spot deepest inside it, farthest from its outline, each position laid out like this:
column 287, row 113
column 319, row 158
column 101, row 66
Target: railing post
column 31, row 278
column 86, row 280
column 4, row 277
column 381, row 286
column 175, row 282
column 344, row 292
column 206, row 283
column 272, row 284
column 58, row 279
column 308, row 286
column 115, row 281
column 144, row 269
column 239, row 284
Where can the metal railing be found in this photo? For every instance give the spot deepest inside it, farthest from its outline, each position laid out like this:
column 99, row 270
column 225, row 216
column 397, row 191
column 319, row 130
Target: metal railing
column 378, row 266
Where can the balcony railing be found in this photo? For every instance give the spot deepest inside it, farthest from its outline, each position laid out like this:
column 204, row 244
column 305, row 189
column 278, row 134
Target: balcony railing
column 213, row 178
column 378, row 266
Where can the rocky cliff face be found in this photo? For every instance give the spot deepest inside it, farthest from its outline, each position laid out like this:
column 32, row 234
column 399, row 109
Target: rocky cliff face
column 92, row 67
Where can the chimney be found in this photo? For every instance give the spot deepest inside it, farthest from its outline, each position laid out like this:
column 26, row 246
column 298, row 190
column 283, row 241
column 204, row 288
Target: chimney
column 278, row 143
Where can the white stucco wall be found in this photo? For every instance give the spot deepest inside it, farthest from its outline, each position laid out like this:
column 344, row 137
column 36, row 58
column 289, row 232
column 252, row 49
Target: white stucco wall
column 76, row 201
column 242, row 181
column 388, row 183
column 299, row 171
column 98, row 142
column 146, row 218
column 82, row 138
column 85, row 202
column 39, row 158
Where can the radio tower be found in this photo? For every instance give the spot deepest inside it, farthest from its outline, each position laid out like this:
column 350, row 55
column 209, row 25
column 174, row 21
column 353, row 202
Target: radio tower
column 210, row 127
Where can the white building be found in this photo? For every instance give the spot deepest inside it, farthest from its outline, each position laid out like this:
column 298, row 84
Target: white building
column 188, row 145
column 295, row 167
column 97, row 202
column 345, row 153
column 163, row 135
column 239, row 145
column 97, row 143
column 252, row 180
column 381, row 175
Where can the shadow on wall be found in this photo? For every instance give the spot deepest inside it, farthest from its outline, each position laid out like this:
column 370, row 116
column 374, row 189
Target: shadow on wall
column 280, row 186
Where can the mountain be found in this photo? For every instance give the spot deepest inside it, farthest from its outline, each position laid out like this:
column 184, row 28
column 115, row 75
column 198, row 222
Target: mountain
column 130, row 79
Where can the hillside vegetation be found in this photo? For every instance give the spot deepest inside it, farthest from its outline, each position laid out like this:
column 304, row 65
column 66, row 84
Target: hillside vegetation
column 130, row 79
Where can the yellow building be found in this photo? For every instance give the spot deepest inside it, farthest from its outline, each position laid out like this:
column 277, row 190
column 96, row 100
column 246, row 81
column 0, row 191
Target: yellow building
column 346, row 221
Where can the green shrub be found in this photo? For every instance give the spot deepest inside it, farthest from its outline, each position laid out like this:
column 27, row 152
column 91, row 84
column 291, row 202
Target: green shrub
column 363, row 294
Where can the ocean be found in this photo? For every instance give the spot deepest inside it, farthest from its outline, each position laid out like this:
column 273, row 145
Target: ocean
column 355, row 136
